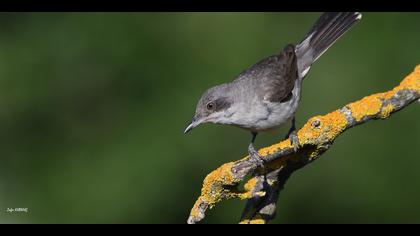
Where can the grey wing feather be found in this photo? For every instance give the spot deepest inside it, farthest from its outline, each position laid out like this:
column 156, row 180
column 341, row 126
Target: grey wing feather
column 282, row 80
column 274, row 76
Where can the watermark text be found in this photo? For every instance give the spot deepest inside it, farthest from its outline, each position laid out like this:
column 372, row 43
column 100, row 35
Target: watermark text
column 17, row 209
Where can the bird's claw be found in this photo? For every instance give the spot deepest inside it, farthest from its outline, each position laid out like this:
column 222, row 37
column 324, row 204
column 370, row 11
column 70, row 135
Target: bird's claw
column 294, row 140
column 255, row 158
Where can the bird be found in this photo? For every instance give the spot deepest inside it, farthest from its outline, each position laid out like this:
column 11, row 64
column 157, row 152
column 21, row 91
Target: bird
column 267, row 94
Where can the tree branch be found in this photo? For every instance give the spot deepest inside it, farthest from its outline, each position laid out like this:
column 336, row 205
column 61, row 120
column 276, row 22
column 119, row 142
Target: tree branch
column 315, row 137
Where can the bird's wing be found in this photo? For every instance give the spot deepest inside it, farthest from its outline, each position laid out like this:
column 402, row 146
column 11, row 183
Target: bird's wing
column 274, row 77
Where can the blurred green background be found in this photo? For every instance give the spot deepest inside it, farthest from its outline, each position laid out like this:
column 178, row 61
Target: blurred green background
column 93, row 108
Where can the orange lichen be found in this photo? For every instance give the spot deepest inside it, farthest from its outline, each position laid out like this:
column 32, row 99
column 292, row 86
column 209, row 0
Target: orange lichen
column 321, row 129
column 249, row 186
column 222, row 175
column 371, row 105
column 243, row 222
column 386, row 111
column 194, row 211
column 412, row 81
column 211, row 192
column 367, row 106
column 389, row 94
column 275, row 147
column 257, row 219
column 213, row 189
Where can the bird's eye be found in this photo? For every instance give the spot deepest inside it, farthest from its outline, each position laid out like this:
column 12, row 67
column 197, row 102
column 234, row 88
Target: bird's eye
column 210, row 106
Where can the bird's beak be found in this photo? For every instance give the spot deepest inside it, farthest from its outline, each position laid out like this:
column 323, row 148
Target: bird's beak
column 194, row 122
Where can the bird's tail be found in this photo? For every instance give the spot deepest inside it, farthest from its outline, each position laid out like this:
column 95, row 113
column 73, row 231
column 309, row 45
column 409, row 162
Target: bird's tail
column 327, row 29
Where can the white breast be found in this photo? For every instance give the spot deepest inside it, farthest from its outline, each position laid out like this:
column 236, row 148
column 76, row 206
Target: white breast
column 263, row 115
column 280, row 113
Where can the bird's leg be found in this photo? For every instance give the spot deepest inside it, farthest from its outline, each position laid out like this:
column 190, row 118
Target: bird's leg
column 293, row 136
column 253, row 154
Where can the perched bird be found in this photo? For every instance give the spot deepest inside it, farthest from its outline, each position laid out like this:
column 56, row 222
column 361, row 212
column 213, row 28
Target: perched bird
column 267, row 94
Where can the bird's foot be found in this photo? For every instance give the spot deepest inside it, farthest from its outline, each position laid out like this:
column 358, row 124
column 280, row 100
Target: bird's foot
column 255, row 158
column 294, row 140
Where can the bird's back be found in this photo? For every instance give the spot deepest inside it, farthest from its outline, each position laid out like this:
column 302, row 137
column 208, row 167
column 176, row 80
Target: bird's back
column 272, row 78
column 263, row 93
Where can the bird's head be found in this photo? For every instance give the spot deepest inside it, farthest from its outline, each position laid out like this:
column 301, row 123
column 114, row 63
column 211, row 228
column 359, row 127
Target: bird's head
column 212, row 107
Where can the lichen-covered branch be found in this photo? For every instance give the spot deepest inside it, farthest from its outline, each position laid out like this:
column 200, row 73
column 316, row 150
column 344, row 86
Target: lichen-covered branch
column 315, row 137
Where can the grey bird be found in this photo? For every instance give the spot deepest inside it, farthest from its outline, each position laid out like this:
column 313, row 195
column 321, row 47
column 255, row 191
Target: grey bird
column 267, row 95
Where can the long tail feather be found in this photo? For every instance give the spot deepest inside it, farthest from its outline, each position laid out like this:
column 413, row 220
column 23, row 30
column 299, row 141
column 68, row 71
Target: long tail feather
column 327, row 29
